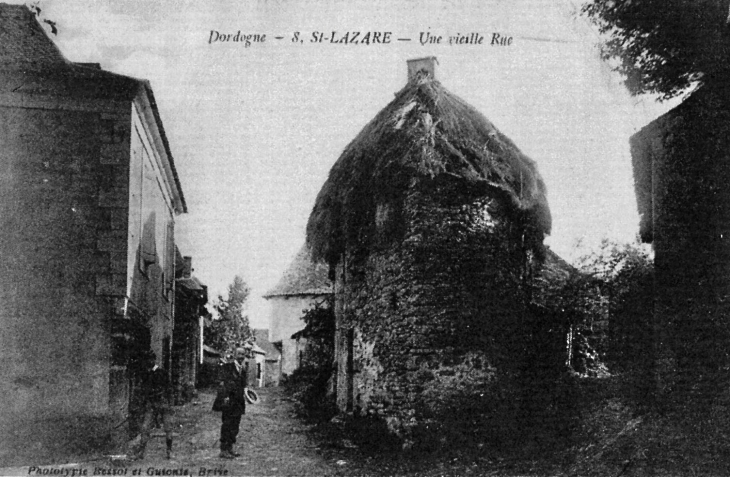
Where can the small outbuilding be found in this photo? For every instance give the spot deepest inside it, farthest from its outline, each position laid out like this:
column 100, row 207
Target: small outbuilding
column 272, row 358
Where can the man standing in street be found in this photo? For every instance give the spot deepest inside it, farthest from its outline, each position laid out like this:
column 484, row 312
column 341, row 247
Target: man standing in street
column 155, row 396
column 231, row 401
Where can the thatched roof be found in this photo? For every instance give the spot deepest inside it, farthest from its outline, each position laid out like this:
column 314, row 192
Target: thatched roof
column 555, row 270
column 554, row 273
column 304, row 276
column 424, row 133
column 31, row 63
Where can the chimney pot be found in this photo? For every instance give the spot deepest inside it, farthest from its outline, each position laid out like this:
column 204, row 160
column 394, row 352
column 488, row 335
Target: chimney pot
column 421, row 67
column 188, row 270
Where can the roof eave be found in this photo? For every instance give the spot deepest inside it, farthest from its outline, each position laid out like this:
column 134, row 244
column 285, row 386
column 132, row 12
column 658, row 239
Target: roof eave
column 146, row 102
column 642, row 163
column 287, row 295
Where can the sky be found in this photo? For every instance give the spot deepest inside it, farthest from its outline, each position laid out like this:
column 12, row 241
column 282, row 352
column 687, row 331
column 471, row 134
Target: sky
column 254, row 130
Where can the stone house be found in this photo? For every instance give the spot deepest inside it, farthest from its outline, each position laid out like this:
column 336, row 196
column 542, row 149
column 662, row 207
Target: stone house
column 304, row 283
column 191, row 296
column 256, row 366
column 433, row 223
column 272, row 358
column 87, row 219
column 681, row 172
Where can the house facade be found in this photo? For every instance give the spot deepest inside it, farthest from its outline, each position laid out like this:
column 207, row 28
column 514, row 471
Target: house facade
column 681, row 172
column 271, row 358
column 433, row 221
column 304, row 284
column 256, row 366
column 191, row 296
column 88, row 205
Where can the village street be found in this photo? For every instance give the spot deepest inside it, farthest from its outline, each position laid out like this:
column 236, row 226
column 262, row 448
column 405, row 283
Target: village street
column 272, row 442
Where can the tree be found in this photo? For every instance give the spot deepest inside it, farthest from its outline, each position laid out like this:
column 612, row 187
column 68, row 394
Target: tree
column 309, row 384
column 231, row 328
column 664, row 46
column 624, row 275
column 607, row 308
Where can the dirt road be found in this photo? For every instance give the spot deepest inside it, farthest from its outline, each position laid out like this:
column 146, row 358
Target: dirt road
column 271, row 442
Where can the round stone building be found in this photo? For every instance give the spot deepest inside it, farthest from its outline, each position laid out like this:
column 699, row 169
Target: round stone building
column 432, row 222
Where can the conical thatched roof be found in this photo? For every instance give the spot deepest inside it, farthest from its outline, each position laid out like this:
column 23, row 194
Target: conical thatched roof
column 303, row 277
column 424, row 133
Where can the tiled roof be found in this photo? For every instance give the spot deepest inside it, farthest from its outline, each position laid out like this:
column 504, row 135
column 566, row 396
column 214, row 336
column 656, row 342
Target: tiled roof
column 30, row 62
column 257, row 349
column 191, row 283
column 262, row 341
column 303, row 277
column 23, row 42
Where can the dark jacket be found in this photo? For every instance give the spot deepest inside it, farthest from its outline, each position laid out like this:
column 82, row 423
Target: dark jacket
column 232, row 385
column 155, row 386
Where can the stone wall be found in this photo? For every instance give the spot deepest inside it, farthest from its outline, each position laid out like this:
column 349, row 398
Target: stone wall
column 426, row 319
column 76, row 303
column 63, row 173
column 683, row 157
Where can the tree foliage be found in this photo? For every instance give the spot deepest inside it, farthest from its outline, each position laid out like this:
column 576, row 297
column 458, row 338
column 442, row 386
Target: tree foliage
column 664, row 46
column 617, row 283
column 231, row 328
column 606, row 307
column 310, row 383
column 319, row 333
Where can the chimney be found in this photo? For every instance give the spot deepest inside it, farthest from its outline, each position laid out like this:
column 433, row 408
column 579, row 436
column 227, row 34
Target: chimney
column 427, row 65
column 188, row 270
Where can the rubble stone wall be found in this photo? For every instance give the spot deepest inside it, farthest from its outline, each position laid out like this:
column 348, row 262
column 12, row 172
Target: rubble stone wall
column 685, row 155
column 428, row 317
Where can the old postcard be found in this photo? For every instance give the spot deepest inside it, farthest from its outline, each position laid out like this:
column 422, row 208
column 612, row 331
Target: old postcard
column 366, row 230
